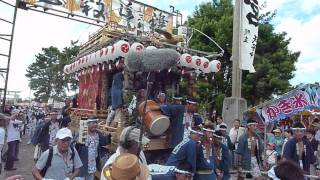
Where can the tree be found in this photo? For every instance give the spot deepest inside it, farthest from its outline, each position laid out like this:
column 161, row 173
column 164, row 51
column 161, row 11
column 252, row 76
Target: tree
column 46, row 76
column 274, row 63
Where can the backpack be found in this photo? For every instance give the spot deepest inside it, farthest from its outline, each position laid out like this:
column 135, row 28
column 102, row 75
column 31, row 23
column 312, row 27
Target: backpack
column 48, row 163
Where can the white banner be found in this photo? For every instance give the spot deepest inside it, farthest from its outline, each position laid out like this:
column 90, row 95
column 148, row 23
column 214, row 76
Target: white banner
column 248, row 33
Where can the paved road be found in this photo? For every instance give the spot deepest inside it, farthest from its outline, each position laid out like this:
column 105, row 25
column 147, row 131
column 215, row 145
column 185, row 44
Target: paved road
column 25, row 163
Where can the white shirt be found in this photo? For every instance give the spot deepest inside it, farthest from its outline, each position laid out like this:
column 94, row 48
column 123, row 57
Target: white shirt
column 2, row 135
column 272, row 157
column 13, row 130
column 113, row 157
column 234, row 134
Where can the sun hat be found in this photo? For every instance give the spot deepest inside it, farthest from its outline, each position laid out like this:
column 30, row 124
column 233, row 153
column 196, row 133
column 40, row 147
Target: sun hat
column 126, row 167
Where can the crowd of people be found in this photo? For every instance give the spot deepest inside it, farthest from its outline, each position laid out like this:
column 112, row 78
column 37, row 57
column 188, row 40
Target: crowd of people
column 200, row 150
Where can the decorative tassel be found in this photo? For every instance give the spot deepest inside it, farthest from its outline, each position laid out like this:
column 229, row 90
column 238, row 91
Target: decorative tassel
column 92, row 70
column 72, row 5
column 103, row 67
column 31, row 1
column 206, row 78
column 169, row 70
column 182, row 72
column 98, row 68
column 212, row 77
column 117, row 63
column 109, row 66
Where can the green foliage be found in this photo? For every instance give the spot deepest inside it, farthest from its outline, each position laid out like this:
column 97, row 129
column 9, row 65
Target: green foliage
column 274, row 63
column 46, row 76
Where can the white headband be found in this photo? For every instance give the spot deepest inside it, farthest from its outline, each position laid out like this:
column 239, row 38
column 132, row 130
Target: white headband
column 191, row 102
column 193, row 131
column 182, row 171
column 272, row 174
column 251, row 123
column 298, row 129
column 217, row 136
column 209, row 130
column 178, row 98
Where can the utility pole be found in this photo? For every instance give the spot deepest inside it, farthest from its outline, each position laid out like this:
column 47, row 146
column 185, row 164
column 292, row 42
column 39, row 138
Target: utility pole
column 234, row 106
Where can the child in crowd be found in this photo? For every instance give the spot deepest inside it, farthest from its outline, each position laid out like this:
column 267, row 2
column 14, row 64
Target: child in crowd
column 271, row 156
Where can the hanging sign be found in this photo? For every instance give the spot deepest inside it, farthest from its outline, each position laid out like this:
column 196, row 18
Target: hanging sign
column 131, row 15
column 248, row 34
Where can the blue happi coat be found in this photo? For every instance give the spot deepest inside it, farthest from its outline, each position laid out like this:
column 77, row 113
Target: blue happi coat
column 225, row 161
column 203, row 164
column 186, row 150
column 290, row 153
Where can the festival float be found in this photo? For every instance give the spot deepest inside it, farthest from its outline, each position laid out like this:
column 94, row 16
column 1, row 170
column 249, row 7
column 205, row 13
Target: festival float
column 140, row 47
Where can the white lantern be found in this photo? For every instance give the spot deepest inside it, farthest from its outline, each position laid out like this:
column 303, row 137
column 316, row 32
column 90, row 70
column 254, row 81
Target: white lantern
column 185, row 60
column 103, row 55
column 151, row 48
column 215, row 66
column 196, row 62
column 205, row 65
column 110, row 55
column 121, row 48
column 137, row 47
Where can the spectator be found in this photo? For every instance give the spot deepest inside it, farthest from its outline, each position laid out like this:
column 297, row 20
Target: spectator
column 298, row 148
column 129, row 143
column 234, row 132
column 13, row 139
column 314, row 145
column 182, row 172
column 250, row 150
column 271, row 156
column 90, row 151
column 226, row 138
column 286, row 170
column 277, row 139
column 64, row 163
column 32, row 125
column 288, row 135
column 219, row 120
column 46, row 133
column 126, row 167
column 3, row 120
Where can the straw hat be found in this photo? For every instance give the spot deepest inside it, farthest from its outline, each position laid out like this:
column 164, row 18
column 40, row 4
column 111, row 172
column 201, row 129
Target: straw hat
column 125, row 167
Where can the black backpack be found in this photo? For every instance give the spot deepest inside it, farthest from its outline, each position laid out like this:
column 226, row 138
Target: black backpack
column 48, row 163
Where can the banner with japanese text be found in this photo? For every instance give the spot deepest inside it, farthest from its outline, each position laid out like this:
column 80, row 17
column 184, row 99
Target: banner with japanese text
column 248, row 33
column 292, row 103
column 130, row 15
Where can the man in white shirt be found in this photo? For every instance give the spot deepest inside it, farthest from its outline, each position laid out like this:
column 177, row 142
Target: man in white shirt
column 13, row 139
column 129, row 143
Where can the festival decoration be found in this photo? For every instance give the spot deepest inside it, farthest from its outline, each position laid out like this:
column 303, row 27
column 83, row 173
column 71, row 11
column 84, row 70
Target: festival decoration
column 205, row 65
column 215, row 66
column 196, row 62
column 121, row 48
column 137, row 47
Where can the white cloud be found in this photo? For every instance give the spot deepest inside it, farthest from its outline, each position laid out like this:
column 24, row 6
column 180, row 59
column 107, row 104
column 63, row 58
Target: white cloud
column 309, row 5
column 306, row 39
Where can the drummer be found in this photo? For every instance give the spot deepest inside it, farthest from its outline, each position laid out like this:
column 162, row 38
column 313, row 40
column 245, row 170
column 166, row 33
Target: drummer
column 161, row 98
column 181, row 117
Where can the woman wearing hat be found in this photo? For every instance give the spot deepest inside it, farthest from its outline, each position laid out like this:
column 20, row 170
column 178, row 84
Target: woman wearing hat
column 277, row 140
column 298, row 148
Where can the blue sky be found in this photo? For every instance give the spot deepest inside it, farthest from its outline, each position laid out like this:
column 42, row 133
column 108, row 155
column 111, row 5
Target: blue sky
column 300, row 19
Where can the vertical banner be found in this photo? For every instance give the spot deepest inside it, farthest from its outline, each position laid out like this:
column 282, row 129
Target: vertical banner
column 248, row 33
